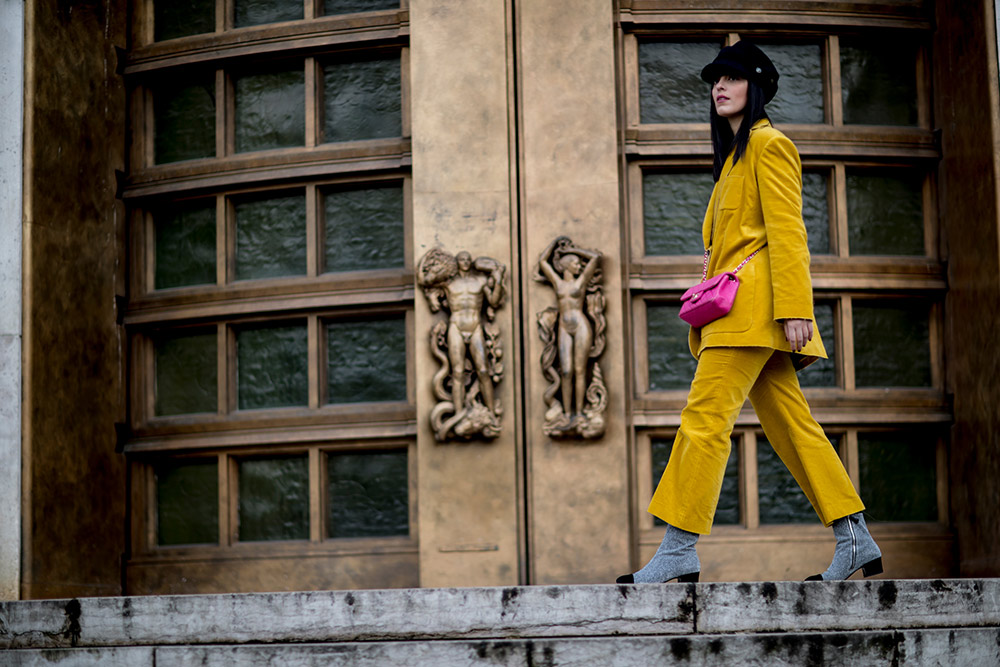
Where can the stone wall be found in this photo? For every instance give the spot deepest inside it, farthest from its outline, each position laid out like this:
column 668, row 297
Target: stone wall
column 11, row 95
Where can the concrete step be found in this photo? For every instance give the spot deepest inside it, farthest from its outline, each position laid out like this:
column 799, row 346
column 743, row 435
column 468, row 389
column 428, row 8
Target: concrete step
column 918, row 622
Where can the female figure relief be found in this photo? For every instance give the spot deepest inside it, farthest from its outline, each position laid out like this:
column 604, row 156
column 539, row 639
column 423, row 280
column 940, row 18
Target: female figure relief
column 573, row 333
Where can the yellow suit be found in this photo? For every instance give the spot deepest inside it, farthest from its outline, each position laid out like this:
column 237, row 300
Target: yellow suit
column 756, row 201
column 745, row 354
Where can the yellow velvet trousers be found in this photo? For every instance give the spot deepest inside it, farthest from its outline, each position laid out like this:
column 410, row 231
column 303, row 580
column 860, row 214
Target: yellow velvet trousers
column 688, row 492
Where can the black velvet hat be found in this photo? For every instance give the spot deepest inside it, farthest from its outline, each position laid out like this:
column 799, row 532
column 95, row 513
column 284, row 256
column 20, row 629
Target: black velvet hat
column 749, row 62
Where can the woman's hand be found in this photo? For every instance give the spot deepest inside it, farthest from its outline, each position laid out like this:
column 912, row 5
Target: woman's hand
column 798, row 333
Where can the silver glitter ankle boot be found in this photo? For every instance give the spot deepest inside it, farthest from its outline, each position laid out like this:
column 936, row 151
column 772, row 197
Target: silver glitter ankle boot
column 856, row 550
column 675, row 558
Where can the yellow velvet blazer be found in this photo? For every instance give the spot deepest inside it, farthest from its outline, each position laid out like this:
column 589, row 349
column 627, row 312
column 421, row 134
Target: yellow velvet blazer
column 755, row 202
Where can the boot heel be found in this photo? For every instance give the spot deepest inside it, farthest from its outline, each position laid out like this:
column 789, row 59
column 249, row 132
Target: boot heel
column 871, row 568
column 688, row 578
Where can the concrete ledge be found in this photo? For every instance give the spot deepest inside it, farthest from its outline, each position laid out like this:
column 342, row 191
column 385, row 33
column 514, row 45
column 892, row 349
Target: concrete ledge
column 451, row 624
column 443, row 613
column 81, row 657
column 847, row 605
column 969, row 646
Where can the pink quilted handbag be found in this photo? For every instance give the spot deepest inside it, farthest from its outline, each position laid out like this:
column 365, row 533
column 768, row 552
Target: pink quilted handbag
column 709, row 300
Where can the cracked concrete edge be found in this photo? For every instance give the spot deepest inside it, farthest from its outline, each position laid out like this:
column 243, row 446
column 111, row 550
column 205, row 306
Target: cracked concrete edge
column 965, row 646
column 526, row 612
column 83, row 657
column 369, row 615
column 847, row 605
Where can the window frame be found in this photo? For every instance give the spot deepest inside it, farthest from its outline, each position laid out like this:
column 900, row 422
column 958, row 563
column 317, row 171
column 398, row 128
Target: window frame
column 166, row 300
column 148, row 430
column 225, row 304
column 314, row 25
column 145, row 543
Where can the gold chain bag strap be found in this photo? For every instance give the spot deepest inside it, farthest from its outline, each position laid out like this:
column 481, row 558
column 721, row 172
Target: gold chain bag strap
column 711, row 299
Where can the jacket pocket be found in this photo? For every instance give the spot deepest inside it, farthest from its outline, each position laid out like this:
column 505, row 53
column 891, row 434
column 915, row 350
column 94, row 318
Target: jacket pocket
column 732, row 193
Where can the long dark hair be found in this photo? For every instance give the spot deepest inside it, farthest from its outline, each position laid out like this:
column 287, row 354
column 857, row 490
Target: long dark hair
column 723, row 140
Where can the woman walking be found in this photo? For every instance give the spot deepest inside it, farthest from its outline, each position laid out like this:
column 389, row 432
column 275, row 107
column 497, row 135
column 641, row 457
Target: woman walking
column 754, row 221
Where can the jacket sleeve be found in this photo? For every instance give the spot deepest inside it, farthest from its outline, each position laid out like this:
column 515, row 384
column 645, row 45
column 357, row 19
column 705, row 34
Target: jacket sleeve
column 779, row 180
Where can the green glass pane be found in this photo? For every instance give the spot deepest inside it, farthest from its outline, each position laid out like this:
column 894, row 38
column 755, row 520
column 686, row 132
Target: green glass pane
column 362, row 100
column 816, row 210
column 271, row 237
column 364, row 229
column 898, row 476
column 728, row 511
column 891, row 344
column 822, row 373
column 257, row 12
column 885, row 213
column 780, row 498
column 879, row 82
column 800, row 87
column 351, row 6
column 673, row 209
column 180, row 18
column 186, row 372
column 187, row 503
column 184, row 120
column 366, row 361
column 368, row 494
column 274, row 499
column 671, row 365
column 270, row 110
column 670, row 85
column 185, row 244
column 272, row 367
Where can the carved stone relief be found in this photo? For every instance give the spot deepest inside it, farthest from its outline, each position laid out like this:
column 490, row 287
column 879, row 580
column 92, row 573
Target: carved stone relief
column 467, row 343
column 573, row 334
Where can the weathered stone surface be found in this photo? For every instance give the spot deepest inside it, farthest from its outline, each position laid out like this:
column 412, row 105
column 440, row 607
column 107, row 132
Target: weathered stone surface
column 971, row 646
column 10, row 466
column 911, row 622
column 913, row 647
column 847, row 605
column 81, row 657
column 11, row 132
column 448, row 613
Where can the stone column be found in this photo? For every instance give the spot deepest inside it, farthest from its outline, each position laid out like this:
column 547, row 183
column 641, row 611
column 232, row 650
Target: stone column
column 467, row 491
column 11, row 129
column 577, row 490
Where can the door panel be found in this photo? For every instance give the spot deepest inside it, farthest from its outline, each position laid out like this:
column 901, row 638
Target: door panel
column 469, row 507
column 521, row 507
column 578, row 526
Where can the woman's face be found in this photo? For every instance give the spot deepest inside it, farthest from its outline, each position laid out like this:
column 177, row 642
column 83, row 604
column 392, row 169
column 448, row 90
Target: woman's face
column 729, row 94
column 572, row 264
